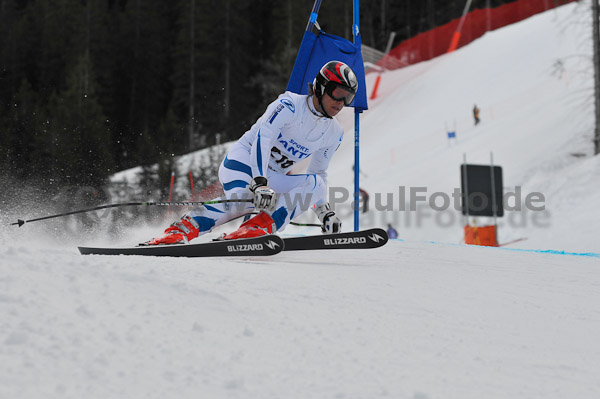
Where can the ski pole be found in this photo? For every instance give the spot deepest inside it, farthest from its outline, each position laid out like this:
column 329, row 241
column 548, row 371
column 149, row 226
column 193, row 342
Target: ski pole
column 292, row 223
column 21, row 222
column 306, row 224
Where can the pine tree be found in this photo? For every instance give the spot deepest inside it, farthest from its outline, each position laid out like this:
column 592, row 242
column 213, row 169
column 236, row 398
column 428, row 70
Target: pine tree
column 20, row 129
column 144, row 34
column 78, row 132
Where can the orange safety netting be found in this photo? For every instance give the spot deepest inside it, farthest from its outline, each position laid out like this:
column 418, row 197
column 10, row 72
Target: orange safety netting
column 446, row 38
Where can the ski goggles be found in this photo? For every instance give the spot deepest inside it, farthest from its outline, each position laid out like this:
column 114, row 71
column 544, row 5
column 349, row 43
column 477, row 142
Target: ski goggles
column 340, row 93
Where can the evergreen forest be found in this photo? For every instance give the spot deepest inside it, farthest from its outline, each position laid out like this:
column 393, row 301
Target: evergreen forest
column 91, row 87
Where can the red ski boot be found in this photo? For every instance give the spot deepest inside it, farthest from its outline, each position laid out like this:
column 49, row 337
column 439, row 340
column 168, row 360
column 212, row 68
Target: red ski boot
column 178, row 233
column 260, row 225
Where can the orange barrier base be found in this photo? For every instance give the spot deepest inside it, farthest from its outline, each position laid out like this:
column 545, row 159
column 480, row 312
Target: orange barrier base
column 376, row 87
column 485, row 235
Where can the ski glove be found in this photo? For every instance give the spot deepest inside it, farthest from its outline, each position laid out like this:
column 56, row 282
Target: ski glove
column 330, row 223
column 264, row 197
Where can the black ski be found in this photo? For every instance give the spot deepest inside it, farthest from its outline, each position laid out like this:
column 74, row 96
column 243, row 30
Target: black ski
column 372, row 238
column 259, row 246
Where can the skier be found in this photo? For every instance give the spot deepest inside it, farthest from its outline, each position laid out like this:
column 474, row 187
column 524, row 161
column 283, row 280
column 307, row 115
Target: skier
column 476, row 114
column 294, row 127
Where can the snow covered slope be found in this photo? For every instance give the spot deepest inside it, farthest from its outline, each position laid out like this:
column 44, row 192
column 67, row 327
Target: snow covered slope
column 533, row 82
column 412, row 320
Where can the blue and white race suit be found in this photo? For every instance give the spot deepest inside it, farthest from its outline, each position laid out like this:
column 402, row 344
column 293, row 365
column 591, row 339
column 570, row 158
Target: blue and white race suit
column 290, row 131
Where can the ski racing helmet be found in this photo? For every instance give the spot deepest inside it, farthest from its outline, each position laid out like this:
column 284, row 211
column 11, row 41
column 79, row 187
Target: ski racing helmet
column 337, row 80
